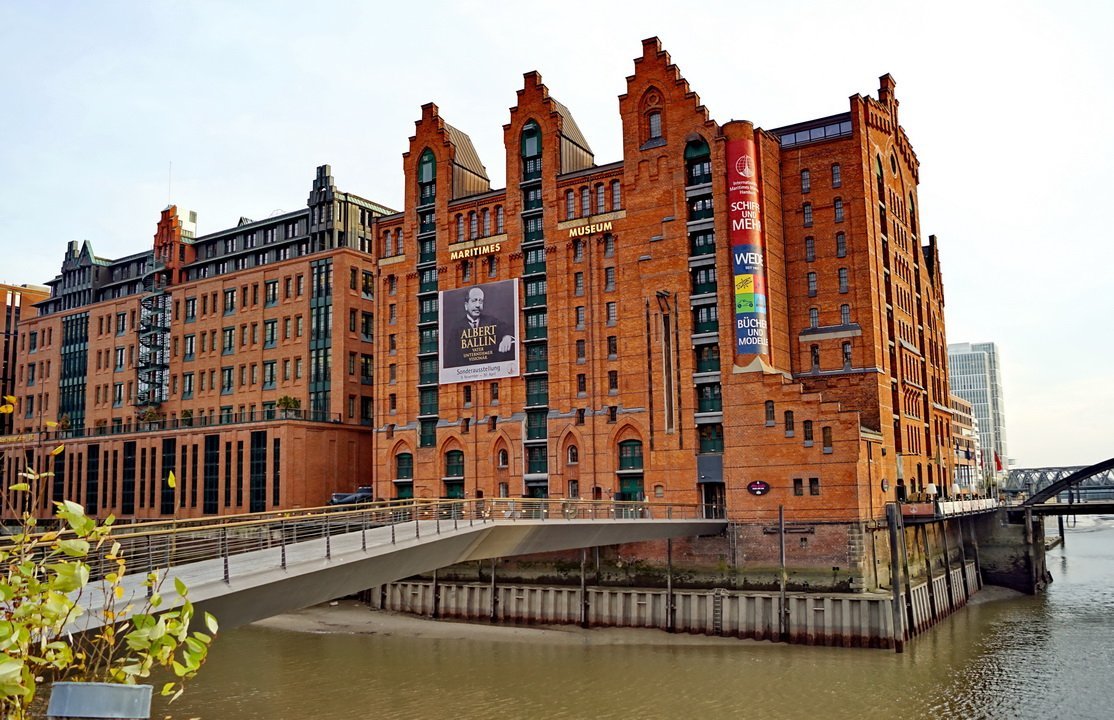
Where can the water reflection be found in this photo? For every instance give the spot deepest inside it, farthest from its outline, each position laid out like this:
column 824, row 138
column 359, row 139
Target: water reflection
column 1045, row 657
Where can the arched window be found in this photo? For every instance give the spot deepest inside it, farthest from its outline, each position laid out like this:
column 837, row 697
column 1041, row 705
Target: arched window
column 473, row 228
column 531, row 151
column 487, row 222
column 698, row 163
column 841, row 245
column 404, row 466
column 789, row 426
column 572, row 455
column 570, row 204
column 806, row 181
column 653, row 124
column 388, row 244
column 427, row 178
column 616, row 195
column 837, row 176
column 630, row 455
column 810, row 248
column 454, row 463
column 770, row 417
column 585, row 202
column 499, row 220
column 600, row 199
column 813, row 317
column 845, row 314
column 459, row 228
column 912, row 215
column 808, row 432
column 807, row 211
column 838, row 205
column 502, row 458
column 399, row 249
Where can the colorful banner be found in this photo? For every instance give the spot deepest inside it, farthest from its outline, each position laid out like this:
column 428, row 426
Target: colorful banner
column 478, row 331
column 744, row 217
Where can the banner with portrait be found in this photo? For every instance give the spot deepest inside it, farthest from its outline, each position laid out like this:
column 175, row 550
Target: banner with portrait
column 478, row 332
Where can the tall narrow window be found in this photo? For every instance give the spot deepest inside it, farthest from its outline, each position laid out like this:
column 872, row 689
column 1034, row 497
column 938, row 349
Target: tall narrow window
column 806, row 181
column 770, row 417
column 810, row 248
column 844, row 283
column 600, row 199
column 841, row 245
column 846, row 354
column 814, row 356
column 807, row 210
column 531, row 151
column 616, row 195
column 653, row 122
column 838, row 210
column 812, row 284
column 789, row 426
column 845, row 314
column 813, row 317
column 427, row 178
column 570, row 204
column 837, row 179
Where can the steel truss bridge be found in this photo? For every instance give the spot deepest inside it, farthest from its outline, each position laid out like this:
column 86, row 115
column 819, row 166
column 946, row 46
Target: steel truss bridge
column 1034, row 480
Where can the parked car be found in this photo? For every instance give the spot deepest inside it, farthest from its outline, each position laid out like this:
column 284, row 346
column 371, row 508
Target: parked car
column 362, row 495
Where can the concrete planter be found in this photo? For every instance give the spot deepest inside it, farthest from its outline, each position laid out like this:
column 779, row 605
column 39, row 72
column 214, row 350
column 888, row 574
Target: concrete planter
column 77, row 701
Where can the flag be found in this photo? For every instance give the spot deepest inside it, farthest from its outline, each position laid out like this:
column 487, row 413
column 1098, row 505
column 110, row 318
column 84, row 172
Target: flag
column 997, row 462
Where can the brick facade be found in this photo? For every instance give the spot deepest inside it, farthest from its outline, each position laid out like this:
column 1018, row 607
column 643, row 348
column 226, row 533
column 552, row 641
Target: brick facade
column 627, row 386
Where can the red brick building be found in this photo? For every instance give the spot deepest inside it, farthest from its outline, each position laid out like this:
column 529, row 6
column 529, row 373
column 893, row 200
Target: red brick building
column 626, row 382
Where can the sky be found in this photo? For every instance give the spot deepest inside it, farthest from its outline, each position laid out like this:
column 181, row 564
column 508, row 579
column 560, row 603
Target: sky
column 111, row 110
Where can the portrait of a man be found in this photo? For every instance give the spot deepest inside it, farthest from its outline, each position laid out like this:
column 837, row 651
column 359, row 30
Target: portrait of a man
column 477, row 331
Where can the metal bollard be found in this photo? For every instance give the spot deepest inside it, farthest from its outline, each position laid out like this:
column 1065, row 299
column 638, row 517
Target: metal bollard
column 282, row 531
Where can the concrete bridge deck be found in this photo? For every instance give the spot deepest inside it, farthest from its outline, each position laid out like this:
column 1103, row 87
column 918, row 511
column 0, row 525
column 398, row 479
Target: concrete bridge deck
column 248, row 569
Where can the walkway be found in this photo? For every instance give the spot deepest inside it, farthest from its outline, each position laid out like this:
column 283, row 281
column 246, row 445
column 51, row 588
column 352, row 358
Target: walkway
column 249, row 567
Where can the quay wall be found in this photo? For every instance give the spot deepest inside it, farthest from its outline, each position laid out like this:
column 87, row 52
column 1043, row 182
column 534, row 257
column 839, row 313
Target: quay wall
column 833, row 619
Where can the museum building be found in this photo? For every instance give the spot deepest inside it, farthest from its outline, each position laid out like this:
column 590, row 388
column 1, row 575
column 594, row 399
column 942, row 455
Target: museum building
column 734, row 317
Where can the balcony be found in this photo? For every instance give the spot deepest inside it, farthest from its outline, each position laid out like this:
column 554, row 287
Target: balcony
column 428, row 377
column 537, row 398
column 537, row 466
column 537, row 333
column 428, row 286
column 535, row 300
column 427, row 346
column 706, row 405
column 534, row 365
column 708, row 364
column 703, row 288
column 427, row 316
column 428, row 408
column 532, row 268
column 705, row 326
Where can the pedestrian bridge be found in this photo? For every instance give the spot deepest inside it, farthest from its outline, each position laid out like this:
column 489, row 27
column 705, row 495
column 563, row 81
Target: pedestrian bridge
column 248, row 567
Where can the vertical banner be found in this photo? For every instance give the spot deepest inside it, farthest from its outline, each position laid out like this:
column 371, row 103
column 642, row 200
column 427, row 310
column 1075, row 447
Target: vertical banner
column 478, row 328
column 745, row 219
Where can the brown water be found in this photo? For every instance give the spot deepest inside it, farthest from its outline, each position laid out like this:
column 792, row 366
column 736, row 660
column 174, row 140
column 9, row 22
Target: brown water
column 1044, row 657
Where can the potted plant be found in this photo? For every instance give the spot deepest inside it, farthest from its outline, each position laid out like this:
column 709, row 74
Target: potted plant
column 286, row 404
column 46, row 579
column 151, row 417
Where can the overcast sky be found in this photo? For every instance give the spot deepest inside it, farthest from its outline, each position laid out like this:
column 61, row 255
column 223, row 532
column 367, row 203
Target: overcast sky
column 1008, row 106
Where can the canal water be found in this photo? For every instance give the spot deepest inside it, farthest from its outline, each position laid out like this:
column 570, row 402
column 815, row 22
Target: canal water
column 1003, row 656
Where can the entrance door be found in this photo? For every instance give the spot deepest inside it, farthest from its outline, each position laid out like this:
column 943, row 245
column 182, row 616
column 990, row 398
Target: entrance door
column 713, row 500
column 631, row 489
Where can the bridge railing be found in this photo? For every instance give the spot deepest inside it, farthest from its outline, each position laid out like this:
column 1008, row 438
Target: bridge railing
column 160, row 545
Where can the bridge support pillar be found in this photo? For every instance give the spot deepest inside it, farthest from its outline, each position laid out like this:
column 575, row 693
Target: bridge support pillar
column 1011, row 554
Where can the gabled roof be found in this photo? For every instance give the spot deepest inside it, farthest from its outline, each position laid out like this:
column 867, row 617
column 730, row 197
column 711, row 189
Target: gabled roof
column 466, row 155
column 571, row 130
